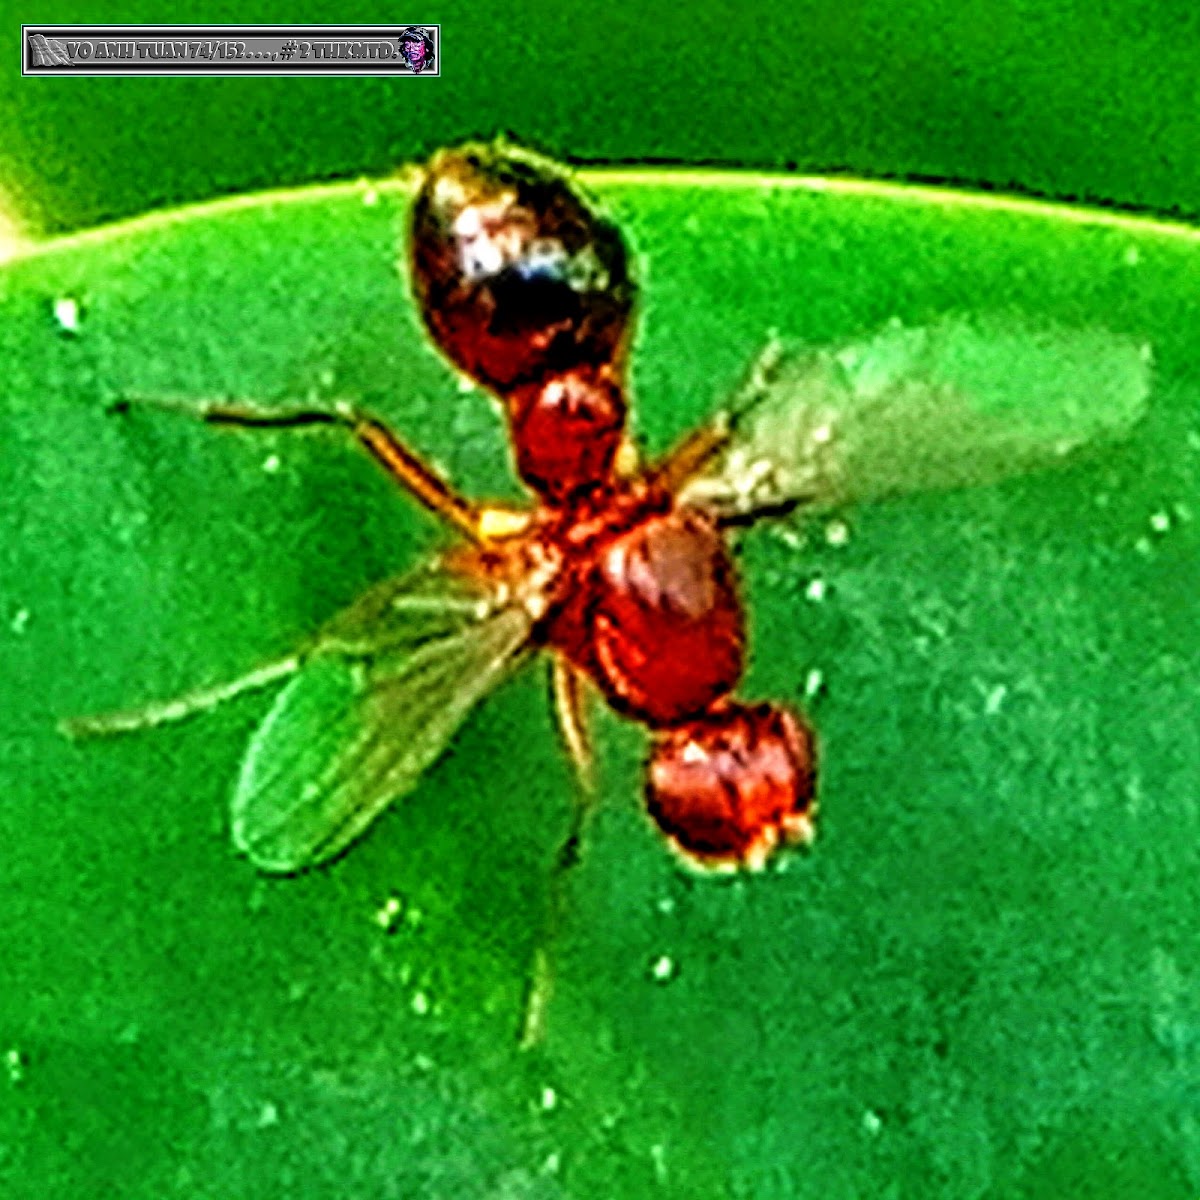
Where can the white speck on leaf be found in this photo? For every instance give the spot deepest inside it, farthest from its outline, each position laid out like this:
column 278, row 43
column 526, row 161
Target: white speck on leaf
column 658, row 1156
column 815, row 591
column 663, row 969
column 14, row 1064
column 837, row 533
column 388, row 915
column 271, row 464
column 814, row 681
column 67, row 313
column 19, row 621
column 1135, row 795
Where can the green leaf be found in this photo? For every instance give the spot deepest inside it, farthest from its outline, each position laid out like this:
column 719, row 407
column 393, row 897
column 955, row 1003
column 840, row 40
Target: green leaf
column 984, row 975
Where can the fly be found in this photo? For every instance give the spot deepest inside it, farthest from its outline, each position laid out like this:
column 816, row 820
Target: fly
column 620, row 571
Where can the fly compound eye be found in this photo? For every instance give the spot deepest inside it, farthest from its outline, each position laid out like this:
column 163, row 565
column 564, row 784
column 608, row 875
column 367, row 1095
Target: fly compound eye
column 732, row 786
column 517, row 277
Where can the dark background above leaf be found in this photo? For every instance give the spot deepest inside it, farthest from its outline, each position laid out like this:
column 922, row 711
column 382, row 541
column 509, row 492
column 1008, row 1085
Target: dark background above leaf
column 1062, row 98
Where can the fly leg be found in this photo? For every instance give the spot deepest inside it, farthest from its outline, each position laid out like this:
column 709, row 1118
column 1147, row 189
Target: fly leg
column 570, row 708
column 165, row 712
column 692, row 454
column 479, row 523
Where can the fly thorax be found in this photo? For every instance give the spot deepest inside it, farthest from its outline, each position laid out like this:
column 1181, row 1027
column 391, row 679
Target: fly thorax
column 666, row 625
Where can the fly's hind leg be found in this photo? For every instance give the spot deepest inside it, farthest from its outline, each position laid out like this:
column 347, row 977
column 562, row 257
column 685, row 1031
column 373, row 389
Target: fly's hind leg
column 570, row 707
column 478, row 523
column 689, row 456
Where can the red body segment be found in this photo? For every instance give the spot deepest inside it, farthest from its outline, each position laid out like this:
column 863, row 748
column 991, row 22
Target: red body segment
column 667, row 628
column 516, row 277
column 528, row 290
column 734, row 784
column 648, row 603
column 566, row 431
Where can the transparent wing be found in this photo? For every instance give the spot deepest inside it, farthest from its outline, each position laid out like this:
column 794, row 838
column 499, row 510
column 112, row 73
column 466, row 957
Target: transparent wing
column 377, row 700
column 957, row 403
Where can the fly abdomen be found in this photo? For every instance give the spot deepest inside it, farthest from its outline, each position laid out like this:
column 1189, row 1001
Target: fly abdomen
column 517, row 277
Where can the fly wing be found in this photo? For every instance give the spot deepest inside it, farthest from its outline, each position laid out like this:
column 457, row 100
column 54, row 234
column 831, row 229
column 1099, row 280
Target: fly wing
column 379, row 697
column 961, row 402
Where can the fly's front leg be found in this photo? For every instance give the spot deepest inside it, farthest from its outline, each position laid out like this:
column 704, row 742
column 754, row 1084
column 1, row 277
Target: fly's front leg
column 567, row 685
column 479, row 523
